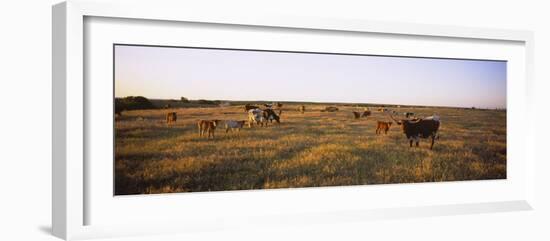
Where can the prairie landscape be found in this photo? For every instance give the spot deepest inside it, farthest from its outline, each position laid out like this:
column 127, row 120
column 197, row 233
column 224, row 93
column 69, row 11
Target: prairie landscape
column 310, row 149
column 172, row 106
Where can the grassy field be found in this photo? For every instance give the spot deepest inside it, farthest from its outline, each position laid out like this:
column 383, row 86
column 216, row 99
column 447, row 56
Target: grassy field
column 306, row 150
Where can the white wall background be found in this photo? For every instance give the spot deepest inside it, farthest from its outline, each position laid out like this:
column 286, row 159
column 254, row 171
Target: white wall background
column 25, row 143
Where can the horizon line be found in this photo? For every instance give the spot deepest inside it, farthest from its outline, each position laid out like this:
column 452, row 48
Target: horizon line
column 322, row 102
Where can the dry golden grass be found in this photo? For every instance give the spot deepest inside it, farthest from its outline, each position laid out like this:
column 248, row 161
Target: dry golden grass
column 306, row 150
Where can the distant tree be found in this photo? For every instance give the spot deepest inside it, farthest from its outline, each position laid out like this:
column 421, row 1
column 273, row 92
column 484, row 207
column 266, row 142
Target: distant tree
column 184, row 100
column 209, row 102
column 132, row 103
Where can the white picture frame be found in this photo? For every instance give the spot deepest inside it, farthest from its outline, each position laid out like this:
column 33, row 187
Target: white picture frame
column 71, row 191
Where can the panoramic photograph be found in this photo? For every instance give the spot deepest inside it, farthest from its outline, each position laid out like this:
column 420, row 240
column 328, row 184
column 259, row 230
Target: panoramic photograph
column 190, row 119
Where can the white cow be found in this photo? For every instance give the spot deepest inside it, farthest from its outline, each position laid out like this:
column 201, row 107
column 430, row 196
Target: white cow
column 256, row 116
column 232, row 124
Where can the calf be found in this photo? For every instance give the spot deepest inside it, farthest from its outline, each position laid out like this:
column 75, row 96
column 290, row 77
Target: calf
column 383, row 126
column 207, row 127
column 171, row 117
column 420, row 128
column 231, row 124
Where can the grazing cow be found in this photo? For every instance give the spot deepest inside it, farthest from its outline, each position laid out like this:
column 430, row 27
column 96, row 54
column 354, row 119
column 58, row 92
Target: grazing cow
column 248, row 107
column 171, row 117
column 331, row 109
column 408, row 114
column 207, row 127
column 302, row 109
column 269, row 115
column 420, row 128
column 356, row 114
column 383, row 126
column 256, row 116
column 232, row 124
column 366, row 113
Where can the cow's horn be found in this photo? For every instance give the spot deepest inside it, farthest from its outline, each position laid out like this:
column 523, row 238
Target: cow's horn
column 415, row 121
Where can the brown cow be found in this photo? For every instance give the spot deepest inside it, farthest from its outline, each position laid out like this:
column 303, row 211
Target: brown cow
column 420, row 128
column 248, row 107
column 171, row 117
column 302, row 109
column 366, row 113
column 207, row 126
column 383, row 126
column 356, row 114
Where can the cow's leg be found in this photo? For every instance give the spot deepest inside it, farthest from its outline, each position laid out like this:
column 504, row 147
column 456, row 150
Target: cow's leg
column 417, row 139
column 432, row 145
column 410, row 142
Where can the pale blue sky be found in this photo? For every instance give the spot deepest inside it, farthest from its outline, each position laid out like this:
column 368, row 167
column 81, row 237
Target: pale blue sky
column 169, row 73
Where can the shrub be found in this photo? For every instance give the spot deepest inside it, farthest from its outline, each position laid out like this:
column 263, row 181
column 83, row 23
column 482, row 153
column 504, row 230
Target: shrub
column 209, row 102
column 132, row 103
column 184, row 100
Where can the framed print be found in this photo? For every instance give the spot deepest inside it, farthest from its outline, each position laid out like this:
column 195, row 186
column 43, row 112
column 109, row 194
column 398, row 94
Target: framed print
column 209, row 122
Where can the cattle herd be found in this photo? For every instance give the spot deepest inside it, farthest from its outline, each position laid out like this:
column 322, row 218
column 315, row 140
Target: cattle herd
column 414, row 128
